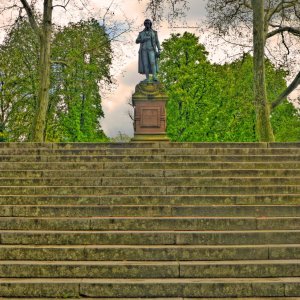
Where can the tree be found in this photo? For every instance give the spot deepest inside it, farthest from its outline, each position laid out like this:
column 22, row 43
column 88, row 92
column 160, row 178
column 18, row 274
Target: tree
column 263, row 122
column 214, row 103
column 81, row 59
column 187, row 76
column 286, row 123
column 75, row 103
column 44, row 34
column 268, row 18
column 19, row 80
column 173, row 9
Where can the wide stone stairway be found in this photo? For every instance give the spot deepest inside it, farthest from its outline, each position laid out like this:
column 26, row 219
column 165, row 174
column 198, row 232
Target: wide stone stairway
column 150, row 220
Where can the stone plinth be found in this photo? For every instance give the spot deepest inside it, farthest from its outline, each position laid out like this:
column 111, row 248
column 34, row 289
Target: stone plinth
column 149, row 101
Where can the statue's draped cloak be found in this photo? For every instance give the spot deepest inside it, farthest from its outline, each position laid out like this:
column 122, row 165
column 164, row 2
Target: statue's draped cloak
column 155, row 44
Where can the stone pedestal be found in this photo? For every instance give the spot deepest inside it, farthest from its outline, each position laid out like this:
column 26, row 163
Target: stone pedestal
column 149, row 101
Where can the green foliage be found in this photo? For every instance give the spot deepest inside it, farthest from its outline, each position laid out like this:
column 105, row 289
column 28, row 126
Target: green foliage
column 19, row 76
column 187, row 76
column 2, row 133
column 81, row 57
column 286, row 123
column 75, row 109
column 214, row 103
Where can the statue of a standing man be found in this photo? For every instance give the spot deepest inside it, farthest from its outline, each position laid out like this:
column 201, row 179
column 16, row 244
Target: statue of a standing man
column 149, row 51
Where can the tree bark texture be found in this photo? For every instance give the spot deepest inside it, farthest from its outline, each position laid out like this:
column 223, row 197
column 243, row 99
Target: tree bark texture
column 263, row 125
column 44, row 74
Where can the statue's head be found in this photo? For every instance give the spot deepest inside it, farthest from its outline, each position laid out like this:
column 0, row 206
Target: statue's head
column 148, row 23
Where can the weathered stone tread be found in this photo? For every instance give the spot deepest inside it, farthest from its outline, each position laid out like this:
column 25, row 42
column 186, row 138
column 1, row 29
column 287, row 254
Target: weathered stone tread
column 151, row 190
column 258, row 211
column 227, row 287
column 235, row 298
column 270, row 199
column 151, row 181
column 149, row 223
column 262, row 237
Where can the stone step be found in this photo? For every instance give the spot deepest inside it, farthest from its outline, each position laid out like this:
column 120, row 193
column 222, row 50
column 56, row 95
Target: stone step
column 96, row 166
column 89, row 269
column 262, row 211
column 149, row 252
column 270, row 199
column 150, row 158
column 240, row 269
column 169, row 287
column 202, row 165
column 150, row 151
column 168, row 298
column 23, row 145
column 254, row 237
column 160, row 173
column 155, row 224
column 150, row 181
column 150, row 190
column 151, row 269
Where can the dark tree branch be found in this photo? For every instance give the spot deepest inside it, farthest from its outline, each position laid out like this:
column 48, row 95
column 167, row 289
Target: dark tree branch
column 7, row 26
column 62, row 6
column 31, row 17
column 297, row 14
column 107, row 12
column 288, row 90
column 114, row 37
column 59, row 62
column 280, row 7
column 247, row 4
column 6, row 8
column 172, row 8
column 293, row 30
column 284, row 43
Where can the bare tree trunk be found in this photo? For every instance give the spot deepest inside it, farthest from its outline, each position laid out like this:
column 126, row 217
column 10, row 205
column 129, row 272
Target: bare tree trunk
column 44, row 74
column 263, row 125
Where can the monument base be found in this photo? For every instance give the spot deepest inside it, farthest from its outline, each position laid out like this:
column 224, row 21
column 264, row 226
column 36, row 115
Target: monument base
column 150, row 138
column 149, row 101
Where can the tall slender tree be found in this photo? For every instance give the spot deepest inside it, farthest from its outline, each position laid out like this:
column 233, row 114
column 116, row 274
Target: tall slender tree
column 44, row 34
column 75, row 102
column 263, row 123
column 43, row 30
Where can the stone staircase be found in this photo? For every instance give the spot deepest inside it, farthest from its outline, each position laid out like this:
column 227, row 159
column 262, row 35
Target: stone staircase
column 150, row 220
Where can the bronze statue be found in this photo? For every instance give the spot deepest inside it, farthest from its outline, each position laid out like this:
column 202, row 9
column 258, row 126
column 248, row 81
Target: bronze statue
column 149, row 51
